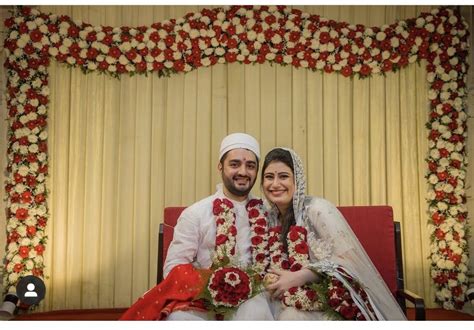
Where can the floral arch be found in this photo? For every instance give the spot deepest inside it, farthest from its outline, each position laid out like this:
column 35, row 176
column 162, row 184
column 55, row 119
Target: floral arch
column 244, row 34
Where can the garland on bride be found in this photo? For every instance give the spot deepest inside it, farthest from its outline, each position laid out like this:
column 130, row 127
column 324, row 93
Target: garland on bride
column 244, row 34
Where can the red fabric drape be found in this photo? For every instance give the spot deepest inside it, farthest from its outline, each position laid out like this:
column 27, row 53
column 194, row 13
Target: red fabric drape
column 177, row 292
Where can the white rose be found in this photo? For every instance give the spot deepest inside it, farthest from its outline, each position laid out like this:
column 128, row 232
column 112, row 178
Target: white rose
column 434, row 153
column 33, row 148
column 13, row 277
column 449, row 264
column 442, row 206
column 440, row 263
column 433, row 179
column 381, row 36
column 29, row 264
column 19, row 188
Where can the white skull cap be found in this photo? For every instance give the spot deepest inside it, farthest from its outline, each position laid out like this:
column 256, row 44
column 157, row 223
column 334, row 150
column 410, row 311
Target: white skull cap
column 237, row 141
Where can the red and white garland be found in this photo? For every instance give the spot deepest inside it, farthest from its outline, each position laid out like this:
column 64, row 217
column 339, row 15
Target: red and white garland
column 302, row 297
column 244, row 34
column 230, row 286
column 226, row 232
column 258, row 235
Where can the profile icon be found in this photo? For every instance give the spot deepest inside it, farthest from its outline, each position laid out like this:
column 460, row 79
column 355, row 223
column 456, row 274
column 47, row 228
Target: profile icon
column 30, row 290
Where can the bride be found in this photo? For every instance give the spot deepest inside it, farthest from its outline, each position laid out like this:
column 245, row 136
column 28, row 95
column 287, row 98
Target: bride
column 310, row 240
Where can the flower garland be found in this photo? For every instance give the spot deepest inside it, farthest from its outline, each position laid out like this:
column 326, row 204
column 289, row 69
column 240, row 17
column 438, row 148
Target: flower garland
column 258, row 235
column 330, row 295
column 303, row 297
column 244, row 34
column 226, row 233
column 228, row 285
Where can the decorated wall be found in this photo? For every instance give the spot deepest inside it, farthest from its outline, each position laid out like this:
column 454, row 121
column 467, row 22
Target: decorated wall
column 92, row 160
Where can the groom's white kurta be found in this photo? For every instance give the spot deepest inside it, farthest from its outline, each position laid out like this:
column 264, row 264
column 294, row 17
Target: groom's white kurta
column 194, row 237
column 194, row 242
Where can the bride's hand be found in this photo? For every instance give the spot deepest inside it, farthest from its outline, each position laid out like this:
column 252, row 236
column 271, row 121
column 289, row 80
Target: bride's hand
column 287, row 279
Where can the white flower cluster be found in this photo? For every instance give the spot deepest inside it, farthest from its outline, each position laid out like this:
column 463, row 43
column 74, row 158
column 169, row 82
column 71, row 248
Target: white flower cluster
column 298, row 297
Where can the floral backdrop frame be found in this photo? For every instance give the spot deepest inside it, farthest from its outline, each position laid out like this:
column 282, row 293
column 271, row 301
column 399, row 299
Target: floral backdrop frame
column 244, row 34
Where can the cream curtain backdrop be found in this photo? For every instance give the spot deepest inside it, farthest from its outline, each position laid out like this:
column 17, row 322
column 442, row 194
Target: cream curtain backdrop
column 122, row 150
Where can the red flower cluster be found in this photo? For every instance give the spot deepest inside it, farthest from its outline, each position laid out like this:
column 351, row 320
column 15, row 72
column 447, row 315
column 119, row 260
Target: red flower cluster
column 217, row 205
column 229, row 287
column 340, row 300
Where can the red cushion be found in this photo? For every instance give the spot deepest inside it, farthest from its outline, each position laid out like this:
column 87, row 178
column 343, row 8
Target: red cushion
column 373, row 226
column 369, row 223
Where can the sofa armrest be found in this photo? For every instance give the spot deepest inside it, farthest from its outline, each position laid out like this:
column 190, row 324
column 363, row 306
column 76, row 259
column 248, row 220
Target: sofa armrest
column 418, row 301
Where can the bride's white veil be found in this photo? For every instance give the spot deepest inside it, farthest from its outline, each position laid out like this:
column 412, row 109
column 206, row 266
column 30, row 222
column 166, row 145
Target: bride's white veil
column 329, row 226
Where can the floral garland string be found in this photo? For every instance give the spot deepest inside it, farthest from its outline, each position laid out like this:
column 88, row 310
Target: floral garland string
column 228, row 285
column 330, row 296
column 302, row 297
column 244, row 34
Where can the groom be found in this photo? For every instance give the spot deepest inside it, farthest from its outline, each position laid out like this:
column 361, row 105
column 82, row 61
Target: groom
column 194, row 241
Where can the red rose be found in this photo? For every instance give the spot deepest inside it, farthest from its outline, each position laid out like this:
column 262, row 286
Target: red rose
column 301, row 248
column 39, row 198
column 334, row 302
column 221, row 239
column 253, row 213
column 443, row 152
column 36, row 35
column 285, row 264
column 21, row 214
column 439, row 234
column 442, row 175
column 39, row 249
column 365, row 70
column 260, row 257
column 295, row 267
column 293, row 290
column 114, row 52
column 73, row 31
column 37, row 272
column 24, row 251
column 437, row 218
column 18, row 268
column 216, row 208
column 293, row 235
column 272, row 240
column 42, row 222
column 232, row 230
column 228, row 203
column 256, row 240
column 348, row 312
column 276, row 258
column 456, row 258
column 324, row 37
column 346, row 71
column 311, row 294
column 31, row 230
column 261, row 222
column 259, row 230
column 26, row 197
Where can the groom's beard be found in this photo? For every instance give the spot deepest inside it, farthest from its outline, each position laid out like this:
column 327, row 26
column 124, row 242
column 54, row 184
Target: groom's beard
column 236, row 190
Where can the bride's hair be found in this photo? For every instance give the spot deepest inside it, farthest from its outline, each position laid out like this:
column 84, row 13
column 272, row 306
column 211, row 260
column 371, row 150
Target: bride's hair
column 288, row 220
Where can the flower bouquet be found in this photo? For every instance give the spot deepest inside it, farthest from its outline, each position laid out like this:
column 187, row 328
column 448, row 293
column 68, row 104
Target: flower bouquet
column 228, row 287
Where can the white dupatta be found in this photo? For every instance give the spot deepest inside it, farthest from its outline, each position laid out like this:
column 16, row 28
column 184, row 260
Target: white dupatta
column 333, row 244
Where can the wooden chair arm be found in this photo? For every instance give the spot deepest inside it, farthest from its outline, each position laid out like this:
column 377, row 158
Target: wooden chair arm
column 418, row 301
